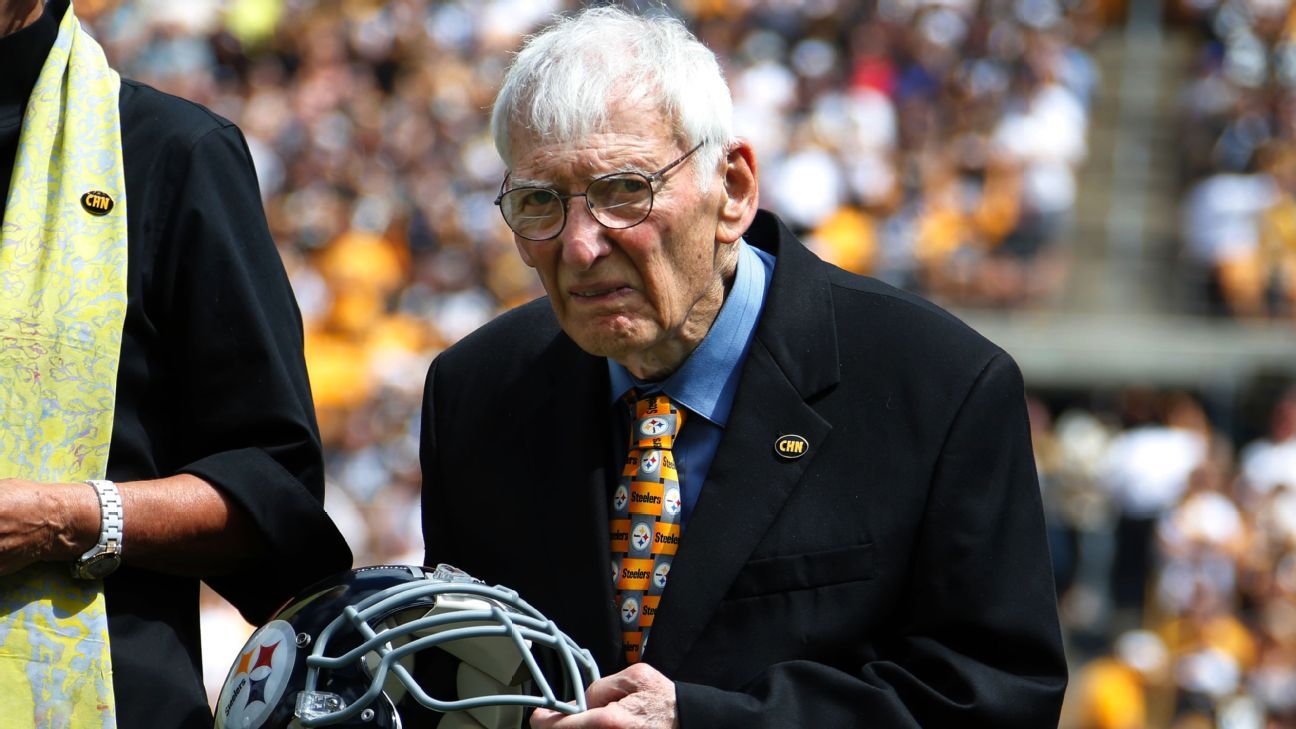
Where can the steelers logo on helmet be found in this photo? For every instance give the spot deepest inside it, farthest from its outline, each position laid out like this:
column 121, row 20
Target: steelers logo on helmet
column 258, row 678
column 629, row 610
column 620, row 497
column 651, row 461
column 672, row 503
column 660, row 574
column 641, row 535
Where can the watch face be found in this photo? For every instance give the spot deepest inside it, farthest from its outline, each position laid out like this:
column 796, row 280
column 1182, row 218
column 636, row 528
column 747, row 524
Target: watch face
column 100, row 566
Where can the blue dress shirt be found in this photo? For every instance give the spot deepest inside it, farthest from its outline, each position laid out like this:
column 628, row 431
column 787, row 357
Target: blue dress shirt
column 705, row 384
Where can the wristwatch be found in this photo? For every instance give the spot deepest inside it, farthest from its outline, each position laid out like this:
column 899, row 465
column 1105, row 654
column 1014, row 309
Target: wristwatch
column 105, row 556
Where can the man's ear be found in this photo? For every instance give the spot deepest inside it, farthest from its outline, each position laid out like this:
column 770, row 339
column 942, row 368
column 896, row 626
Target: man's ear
column 741, row 192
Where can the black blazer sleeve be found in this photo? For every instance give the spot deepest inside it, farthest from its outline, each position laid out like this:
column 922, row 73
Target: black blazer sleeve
column 212, row 380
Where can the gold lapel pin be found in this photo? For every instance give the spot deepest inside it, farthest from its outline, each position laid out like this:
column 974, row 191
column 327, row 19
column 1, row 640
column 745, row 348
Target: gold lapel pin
column 791, row 447
column 96, row 202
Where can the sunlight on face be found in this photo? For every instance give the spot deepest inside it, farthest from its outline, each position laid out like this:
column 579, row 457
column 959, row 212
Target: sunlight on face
column 643, row 296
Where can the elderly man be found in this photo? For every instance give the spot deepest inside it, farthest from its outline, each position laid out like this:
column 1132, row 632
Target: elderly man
column 763, row 492
column 157, row 421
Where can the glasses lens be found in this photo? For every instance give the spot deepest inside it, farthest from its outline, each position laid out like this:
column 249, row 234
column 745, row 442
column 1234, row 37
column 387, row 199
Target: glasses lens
column 620, row 201
column 532, row 212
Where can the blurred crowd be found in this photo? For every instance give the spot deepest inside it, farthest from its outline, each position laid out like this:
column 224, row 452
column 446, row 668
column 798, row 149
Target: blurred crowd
column 1239, row 163
column 931, row 143
column 1175, row 554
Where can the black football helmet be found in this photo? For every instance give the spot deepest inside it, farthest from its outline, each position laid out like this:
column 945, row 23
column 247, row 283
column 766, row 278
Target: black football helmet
column 378, row 646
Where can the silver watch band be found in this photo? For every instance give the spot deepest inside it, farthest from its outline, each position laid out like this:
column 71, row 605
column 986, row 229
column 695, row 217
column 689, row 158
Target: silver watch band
column 110, row 518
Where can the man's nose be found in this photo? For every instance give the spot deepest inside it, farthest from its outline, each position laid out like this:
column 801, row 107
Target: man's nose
column 584, row 240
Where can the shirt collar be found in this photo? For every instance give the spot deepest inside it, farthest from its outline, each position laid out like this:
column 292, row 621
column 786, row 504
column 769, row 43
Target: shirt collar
column 708, row 379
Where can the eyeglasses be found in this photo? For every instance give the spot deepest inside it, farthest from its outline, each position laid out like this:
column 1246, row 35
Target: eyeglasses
column 619, row 200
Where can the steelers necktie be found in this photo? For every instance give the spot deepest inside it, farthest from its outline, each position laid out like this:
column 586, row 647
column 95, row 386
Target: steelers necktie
column 645, row 519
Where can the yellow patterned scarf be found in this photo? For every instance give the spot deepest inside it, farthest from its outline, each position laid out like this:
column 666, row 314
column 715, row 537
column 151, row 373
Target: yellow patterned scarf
column 62, row 304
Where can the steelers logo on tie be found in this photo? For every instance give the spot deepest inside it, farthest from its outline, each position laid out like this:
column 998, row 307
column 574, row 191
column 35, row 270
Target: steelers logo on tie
column 620, row 497
column 660, row 574
column 654, row 426
column 630, row 611
column 672, row 503
column 641, row 536
column 651, row 461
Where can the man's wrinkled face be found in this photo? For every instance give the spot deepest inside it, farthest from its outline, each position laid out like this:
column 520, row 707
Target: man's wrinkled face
column 635, row 294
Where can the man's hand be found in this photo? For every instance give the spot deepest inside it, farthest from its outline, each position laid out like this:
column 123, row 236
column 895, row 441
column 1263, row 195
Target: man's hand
column 639, row 697
column 44, row 522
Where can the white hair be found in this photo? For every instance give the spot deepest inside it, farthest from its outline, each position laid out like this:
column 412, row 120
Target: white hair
column 564, row 79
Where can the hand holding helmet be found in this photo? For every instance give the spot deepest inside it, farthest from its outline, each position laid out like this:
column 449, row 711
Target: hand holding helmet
column 353, row 651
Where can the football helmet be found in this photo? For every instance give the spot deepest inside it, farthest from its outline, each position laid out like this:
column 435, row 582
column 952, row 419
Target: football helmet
column 376, row 646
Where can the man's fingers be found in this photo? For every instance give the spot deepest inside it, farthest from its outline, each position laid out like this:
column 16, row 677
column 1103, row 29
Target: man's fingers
column 602, row 692
column 607, row 689
column 544, row 718
column 638, row 697
column 599, row 718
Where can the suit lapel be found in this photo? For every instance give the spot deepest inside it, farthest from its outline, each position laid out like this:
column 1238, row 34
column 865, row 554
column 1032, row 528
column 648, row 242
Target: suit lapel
column 793, row 357
column 578, row 448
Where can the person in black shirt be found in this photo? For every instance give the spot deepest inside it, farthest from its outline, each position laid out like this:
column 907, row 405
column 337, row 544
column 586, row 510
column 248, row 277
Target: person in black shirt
column 214, row 445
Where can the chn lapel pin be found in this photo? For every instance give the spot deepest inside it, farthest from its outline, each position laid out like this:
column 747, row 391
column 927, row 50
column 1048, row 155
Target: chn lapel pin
column 791, row 447
column 97, row 202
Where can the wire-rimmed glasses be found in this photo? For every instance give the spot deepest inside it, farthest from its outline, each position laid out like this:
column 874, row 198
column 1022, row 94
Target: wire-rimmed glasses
column 619, row 200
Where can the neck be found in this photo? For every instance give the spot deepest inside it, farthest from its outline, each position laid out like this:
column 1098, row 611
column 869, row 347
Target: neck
column 659, row 362
column 18, row 14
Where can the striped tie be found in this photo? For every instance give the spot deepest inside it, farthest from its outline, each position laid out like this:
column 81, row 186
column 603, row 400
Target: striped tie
column 645, row 519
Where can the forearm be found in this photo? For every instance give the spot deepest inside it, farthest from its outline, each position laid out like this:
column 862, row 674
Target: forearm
column 179, row 525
